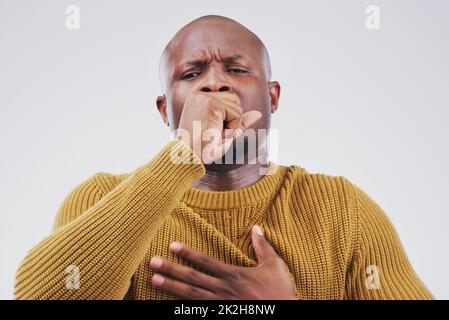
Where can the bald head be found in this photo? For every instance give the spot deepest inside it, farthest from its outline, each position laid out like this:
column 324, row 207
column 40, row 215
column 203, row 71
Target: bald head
column 204, row 30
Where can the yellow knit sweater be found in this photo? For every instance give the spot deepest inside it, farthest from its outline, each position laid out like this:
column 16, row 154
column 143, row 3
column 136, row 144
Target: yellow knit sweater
column 336, row 241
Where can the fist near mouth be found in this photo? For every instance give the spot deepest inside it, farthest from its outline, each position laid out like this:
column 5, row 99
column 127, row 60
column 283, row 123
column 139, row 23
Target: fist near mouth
column 217, row 118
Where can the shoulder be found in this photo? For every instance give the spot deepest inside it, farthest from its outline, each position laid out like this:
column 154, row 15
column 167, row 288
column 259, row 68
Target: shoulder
column 338, row 204
column 326, row 203
column 324, row 192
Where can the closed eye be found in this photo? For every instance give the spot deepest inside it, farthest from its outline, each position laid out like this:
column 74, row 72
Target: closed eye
column 195, row 74
column 190, row 75
column 237, row 70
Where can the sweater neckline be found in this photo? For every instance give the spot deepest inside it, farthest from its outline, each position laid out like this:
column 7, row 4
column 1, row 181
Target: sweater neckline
column 260, row 190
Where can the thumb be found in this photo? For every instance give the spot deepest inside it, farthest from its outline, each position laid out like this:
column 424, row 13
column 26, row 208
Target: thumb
column 218, row 150
column 262, row 247
column 248, row 119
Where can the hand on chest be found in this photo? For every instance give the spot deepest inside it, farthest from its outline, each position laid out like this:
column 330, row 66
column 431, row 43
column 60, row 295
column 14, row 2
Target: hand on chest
column 230, row 241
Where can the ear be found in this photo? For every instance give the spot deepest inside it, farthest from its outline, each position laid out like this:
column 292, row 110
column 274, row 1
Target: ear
column 274, row 89
column 161, row 103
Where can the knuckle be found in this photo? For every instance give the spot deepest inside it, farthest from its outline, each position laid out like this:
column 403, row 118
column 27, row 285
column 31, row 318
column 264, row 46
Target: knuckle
column 214, row 111
column 212, row 107
column 192, row 276
column 234, row 275
column 224, row 289
column 205, row 260
column 193, row 292
column 227, row 292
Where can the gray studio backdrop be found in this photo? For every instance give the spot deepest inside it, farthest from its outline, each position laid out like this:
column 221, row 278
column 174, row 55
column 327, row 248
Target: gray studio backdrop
column 366, row 99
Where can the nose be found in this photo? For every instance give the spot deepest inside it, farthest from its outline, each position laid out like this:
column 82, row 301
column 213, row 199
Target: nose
column 216, row 83
column 210, row 88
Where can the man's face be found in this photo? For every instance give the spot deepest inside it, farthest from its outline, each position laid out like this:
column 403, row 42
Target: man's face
column 217, row 57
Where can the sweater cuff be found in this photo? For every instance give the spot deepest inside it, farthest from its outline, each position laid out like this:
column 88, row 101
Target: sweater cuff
column 176, row 165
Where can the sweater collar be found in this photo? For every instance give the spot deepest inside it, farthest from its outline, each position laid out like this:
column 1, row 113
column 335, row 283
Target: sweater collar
column 268, row 185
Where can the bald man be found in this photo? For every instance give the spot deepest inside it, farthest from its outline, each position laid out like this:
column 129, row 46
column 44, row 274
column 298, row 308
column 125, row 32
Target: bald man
column 209, row 217
column 228, row 63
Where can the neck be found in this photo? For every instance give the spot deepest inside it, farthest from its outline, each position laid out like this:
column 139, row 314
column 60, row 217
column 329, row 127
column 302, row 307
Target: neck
column 235, row 176
column 244, row 170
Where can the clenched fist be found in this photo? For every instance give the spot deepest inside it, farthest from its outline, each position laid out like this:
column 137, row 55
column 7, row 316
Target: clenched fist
column 210, row 121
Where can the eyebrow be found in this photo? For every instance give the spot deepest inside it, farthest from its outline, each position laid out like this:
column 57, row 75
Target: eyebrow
column 203, row 62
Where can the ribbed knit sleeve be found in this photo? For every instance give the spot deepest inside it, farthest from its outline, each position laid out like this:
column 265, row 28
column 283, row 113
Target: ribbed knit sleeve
column 380, row 268
column 99, row 237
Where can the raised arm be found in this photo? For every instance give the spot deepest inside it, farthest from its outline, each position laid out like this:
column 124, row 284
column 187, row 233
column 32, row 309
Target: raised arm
column 100, row 238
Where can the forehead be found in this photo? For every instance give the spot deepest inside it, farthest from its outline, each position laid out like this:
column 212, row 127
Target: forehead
column 205, row 41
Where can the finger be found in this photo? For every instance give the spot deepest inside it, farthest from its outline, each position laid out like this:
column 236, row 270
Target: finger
column 246, row 121
column 231, row 118
column 202, row 260
column 249, row 118
column 234, row 105
column 218, row 146
column 227, row 113
column 185, row 274
column 231, row 110
column 218, row 150
column 262, row 247
column 181, row 289
column 226, row 95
